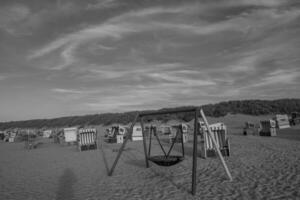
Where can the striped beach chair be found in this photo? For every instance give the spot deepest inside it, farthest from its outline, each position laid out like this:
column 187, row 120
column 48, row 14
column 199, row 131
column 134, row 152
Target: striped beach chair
column 268, row 128
column 219, row 131
column 87, row 139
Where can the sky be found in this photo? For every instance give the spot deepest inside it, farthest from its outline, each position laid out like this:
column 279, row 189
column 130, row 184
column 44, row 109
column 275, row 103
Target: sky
column 74, row 57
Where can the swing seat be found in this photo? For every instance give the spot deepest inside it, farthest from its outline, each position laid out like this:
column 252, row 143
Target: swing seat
column 166, row 161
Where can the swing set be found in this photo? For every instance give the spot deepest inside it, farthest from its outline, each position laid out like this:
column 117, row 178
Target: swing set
column 167, row 159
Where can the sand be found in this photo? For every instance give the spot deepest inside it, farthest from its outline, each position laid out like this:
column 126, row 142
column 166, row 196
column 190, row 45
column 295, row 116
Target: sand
column 262, row 168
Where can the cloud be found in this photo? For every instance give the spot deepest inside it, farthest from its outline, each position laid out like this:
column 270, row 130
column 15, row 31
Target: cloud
column 279, row 77
column 134, row 22
column 245, row 64
column 94, row 32
column 269, row 3
column 13, row 75
column 68, row 57
column 10, row 16
column 242, row 68
column 164, row 89
column 67, row 91
column 96, row 47
column 2, row 77
column 117, row 70
column 132, row 67
column 74, row 94
column 181, row 78
column 24, row 19
column 113, row 28
column 83, row 90
column 130, row 99
column 103, row 4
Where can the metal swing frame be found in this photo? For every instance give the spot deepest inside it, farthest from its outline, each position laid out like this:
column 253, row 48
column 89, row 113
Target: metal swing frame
column 197, row 111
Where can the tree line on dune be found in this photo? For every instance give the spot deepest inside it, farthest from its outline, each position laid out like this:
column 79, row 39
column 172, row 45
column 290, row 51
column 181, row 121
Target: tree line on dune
column 249, row 107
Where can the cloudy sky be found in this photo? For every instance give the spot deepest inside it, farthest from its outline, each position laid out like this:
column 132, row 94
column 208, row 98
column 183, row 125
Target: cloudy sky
column 73, row 57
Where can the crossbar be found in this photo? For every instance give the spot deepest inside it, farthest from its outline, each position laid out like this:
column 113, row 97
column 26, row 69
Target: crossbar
column 162, row 112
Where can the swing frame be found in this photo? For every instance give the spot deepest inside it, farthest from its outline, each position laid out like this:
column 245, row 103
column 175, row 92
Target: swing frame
column 197, row 112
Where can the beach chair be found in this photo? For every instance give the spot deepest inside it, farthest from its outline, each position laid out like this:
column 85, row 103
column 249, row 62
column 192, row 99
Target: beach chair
column 219, row 131
column 282, row 121
column 251, row 128
column 2, row 136
column 110, row 135
column 87, row 139
column 70, row 135
column 115, row 134
column 137, row 134
column 295, row 118
column 268, row 128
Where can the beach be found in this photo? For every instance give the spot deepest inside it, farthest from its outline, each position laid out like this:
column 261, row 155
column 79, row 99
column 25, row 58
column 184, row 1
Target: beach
column 261, row 167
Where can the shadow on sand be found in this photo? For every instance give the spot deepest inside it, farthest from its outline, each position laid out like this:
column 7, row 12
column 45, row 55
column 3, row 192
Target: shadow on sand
column 65, row 185
column 131, row 159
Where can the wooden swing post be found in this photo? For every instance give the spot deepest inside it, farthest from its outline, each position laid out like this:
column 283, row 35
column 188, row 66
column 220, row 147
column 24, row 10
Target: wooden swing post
column 123, row 145
column 215, row 145
column 144, row 143
column 194, row 169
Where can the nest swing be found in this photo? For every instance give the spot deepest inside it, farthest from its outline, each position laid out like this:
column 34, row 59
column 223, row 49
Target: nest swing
column 165, row 160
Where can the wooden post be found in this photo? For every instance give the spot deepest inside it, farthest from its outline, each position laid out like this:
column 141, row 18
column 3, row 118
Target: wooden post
column 150, row 139
column 123, row 146
column 96, row 138
column 144, row 143
column 215, row 144
column 79, row 140
column 182, row 145
column 194, row 169
column 205, row 143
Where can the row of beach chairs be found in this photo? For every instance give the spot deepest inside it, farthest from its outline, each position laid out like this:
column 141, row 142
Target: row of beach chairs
column 116, row 135
column 264, row 128
column 86, row 138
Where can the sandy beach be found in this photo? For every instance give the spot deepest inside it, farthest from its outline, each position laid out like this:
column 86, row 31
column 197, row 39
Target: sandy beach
column 80, row 77
column 262, row 168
